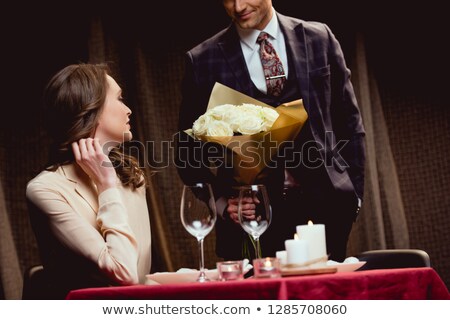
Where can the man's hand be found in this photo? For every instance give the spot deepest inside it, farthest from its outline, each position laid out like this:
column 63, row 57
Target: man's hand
column 248, row 208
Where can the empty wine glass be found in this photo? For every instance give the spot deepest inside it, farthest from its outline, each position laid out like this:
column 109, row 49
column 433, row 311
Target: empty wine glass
column 198, row 216
column 254, row 212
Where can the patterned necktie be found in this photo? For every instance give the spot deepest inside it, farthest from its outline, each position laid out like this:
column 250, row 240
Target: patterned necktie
column 272, row 66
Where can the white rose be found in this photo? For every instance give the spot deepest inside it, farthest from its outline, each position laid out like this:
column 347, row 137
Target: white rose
column 269, row 115
column 228, row 113
column 233, row 117
column 219, row 128
column 221, row 112
column 249, row 119
column 253, row 109
column 249, row 124
column 201, row 124
column 226, row 119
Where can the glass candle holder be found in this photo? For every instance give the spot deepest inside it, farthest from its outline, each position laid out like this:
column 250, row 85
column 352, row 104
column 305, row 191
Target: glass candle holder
column 282, row 255
column 267, row 267
column 230, row 270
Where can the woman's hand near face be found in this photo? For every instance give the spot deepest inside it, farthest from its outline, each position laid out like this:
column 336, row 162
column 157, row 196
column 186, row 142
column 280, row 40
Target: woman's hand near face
column 90, row 157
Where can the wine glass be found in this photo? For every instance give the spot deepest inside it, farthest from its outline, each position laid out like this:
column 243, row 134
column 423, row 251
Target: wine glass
column 254, row 212
column 198, row 216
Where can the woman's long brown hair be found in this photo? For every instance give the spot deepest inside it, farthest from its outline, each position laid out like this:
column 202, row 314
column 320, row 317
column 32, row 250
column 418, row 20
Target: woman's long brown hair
column 73, row 102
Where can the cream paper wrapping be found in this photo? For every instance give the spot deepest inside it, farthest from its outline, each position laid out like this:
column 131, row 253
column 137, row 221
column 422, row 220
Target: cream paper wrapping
column 251, row 153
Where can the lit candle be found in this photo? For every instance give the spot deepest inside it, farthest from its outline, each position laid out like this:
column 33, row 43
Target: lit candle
column 282, row 255
column 267, row 267
column 314, row 234
column 230, row 274
column 230, row 270
column 296, row 250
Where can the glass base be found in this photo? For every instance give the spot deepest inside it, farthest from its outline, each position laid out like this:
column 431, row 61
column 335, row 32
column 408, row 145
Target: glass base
column 203, row 278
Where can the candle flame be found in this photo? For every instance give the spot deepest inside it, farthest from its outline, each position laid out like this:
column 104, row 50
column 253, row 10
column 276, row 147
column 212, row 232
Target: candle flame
column 310, row 223
column 267, row 263
column 295, row 236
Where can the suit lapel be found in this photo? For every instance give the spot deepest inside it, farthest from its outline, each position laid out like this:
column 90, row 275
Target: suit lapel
column 82, row 184
column 296, row 42
column 232, row 51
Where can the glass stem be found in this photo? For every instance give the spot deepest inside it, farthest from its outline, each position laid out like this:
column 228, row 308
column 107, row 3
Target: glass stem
column 258, row 248
column 201, row 260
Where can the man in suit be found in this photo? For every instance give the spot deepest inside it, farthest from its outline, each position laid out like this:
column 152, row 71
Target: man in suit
column 320, row 176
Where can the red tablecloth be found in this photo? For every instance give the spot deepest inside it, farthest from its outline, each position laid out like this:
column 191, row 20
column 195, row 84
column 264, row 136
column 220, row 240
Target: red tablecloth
column 410, row 283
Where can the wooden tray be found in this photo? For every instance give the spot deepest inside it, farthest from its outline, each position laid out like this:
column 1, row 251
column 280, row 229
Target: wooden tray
column 287, row 272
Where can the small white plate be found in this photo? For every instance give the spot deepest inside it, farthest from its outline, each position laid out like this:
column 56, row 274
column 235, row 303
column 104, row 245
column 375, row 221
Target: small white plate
column 178, row 277
column 348, row 267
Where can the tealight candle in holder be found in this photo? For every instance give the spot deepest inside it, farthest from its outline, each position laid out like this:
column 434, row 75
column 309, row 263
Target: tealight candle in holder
column 230, row 270
column 267, row 268
column 282, row 255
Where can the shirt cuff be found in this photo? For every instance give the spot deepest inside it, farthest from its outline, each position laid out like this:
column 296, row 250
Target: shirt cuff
column 221, row 205
column 109, row 195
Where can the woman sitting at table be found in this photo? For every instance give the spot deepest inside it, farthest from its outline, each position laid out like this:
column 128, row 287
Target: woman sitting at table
column 88, row 207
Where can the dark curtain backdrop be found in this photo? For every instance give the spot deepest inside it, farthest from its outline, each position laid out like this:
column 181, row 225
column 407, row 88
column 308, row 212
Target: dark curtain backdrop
column 405, row 61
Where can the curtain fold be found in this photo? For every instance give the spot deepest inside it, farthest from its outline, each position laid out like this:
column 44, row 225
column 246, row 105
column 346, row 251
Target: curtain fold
column 157, row 210
column 10, row 272
column 382, row 223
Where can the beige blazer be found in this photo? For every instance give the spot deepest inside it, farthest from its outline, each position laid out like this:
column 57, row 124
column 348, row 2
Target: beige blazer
column 76, row 227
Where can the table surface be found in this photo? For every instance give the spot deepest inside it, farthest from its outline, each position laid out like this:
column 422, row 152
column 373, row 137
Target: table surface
column 386, row 284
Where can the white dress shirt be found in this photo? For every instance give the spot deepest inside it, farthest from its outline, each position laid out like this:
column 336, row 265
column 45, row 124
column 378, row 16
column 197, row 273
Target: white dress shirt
column 250, row 49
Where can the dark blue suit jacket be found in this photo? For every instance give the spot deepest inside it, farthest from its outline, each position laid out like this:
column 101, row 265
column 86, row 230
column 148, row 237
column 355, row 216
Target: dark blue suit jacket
column 323, row 79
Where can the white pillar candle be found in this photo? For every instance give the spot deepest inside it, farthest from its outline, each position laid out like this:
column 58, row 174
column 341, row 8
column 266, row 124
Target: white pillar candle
column 282, row 255
column 314, row 234
column 296, row 251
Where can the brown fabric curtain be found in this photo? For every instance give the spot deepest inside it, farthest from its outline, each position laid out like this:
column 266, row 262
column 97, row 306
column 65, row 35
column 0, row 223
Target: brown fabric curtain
column 382, row 216
column 10, row 271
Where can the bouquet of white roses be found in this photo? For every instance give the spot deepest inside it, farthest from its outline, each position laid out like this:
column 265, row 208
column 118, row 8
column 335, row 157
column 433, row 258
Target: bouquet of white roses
column 249, row 128
column 228, row 119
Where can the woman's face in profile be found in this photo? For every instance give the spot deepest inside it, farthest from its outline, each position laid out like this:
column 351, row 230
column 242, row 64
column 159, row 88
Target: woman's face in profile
column 114, row 122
